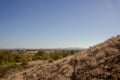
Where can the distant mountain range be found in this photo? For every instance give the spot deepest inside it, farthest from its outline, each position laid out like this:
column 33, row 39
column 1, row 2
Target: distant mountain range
column 70, row 48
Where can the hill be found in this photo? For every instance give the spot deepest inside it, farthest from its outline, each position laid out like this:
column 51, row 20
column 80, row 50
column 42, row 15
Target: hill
column 100, row 62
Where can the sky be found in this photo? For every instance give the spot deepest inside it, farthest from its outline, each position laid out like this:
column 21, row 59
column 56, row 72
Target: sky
column 57, row 23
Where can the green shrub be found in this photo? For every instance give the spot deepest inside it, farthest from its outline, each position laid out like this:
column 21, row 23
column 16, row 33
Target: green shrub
column 4, row 68
column 24, row 62
column 18, row 57
column 56, row 56
column 43, row 55
column 6, row 57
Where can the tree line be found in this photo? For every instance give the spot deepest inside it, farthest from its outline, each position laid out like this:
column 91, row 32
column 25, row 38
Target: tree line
column 20, row 59
column 7, row 56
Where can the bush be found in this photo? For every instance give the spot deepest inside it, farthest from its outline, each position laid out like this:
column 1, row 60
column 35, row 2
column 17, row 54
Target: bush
column 6, row 57
column 56, row 56
column 6, row 67
column 18, row 57
column 24, row 61
column 43, row 55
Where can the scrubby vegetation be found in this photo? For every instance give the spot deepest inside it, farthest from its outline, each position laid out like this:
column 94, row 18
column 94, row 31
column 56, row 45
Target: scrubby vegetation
column 9, row 60
column 7, row 56
column 58, row 54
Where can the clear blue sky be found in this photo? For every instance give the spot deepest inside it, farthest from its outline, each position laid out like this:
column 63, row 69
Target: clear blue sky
column 57, row 23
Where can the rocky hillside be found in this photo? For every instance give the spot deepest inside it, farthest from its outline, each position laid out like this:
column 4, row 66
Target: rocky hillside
column 100, row 62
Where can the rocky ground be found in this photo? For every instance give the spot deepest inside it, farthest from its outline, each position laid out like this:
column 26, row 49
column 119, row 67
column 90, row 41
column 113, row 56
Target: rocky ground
column 100, row 62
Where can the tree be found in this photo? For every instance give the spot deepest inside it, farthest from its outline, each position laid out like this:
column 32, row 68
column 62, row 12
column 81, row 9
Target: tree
column 24, row 60
column 56, row 55
column 43, row 55
column 18, row 57
column 6, row 57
